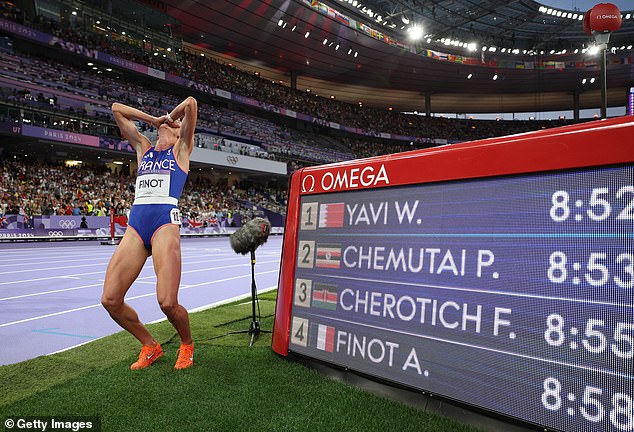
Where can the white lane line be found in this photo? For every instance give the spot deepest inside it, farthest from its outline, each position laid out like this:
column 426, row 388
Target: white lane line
column 138, row 280
column 147, row 266
column 75, row 346
column 50, row 278
column 39, row 261
column 127, row 299
column 196, row 309
column 49, row 292
column 79, row 258
column 40, row 269
column 219, row 303
column 47, row 257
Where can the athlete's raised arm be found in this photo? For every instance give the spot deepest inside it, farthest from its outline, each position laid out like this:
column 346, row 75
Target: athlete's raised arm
column 187, row 113
column 125, row 116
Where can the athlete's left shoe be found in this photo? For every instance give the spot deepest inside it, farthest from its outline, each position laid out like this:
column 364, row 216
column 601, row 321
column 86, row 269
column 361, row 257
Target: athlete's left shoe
column 185, row 356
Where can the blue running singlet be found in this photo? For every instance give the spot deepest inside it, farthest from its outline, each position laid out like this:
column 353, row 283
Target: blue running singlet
column 159, row 184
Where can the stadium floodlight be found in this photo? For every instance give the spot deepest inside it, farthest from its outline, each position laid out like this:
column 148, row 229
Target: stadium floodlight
column 415, row 32
column 472, row 46
column 404, row 19
column 593, row 50
column 495, row 77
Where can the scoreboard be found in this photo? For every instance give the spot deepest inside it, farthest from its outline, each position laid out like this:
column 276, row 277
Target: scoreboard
column 497, row 273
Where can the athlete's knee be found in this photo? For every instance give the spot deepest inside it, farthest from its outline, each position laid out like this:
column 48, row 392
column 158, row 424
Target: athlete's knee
column 111, row 303
column 169, row 307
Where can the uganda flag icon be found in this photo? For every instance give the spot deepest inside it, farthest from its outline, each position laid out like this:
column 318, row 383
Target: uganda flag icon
column 331, row 215
column 325, row 296
column 328, row 256
column 325, row 338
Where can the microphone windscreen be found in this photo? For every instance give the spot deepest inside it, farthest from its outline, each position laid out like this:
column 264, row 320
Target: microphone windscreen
column 250, row 236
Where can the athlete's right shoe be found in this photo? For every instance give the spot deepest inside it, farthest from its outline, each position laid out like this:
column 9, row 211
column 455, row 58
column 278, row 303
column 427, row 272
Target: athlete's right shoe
column 149, row 354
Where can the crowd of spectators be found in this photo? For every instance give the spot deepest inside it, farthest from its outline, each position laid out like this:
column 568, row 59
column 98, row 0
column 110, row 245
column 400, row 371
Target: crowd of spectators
column 87, row 95
column 269, row 139
column 41, row 91
column 210, row 72
column 33, row 188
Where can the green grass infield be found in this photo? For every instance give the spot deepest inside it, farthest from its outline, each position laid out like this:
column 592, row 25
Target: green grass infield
column 231, row 387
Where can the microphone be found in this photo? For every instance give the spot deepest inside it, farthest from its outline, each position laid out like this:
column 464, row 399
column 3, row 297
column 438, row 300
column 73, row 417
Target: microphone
column 250, row 236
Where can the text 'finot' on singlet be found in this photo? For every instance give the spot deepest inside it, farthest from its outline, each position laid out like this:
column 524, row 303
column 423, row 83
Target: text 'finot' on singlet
column 160, row 179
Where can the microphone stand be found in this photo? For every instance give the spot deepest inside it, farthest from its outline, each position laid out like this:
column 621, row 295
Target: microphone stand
column 254, row 327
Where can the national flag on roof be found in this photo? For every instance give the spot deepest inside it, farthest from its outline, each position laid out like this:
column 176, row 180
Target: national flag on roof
column 331, row 215
column 328, row 256
column 325, row 296
column 325, row 338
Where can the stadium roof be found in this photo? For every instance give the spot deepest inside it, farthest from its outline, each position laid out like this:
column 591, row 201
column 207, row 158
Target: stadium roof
column 475, row 56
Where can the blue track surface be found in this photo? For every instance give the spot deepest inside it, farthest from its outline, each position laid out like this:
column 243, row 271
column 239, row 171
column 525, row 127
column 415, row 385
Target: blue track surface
column 50, row 293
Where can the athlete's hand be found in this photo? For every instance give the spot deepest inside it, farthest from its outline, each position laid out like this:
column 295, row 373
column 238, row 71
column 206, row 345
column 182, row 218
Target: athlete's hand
column 157, row 121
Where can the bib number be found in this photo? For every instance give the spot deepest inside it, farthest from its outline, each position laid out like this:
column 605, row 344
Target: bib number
column 175, row 216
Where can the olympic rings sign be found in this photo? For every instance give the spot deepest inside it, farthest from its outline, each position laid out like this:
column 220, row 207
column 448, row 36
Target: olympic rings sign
column 55, row 233
column 67, row 223
column 232, row 160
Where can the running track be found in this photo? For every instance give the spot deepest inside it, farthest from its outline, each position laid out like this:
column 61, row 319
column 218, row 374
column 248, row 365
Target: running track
column 50, row 293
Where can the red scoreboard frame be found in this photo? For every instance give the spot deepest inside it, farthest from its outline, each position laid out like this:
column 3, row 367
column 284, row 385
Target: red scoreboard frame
column 596, row 144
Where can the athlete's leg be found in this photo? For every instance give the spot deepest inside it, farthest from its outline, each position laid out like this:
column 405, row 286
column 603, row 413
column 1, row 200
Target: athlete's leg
column 124, row 267
column 166, row 254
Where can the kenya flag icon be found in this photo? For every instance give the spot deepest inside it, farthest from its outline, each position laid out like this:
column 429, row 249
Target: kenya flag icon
column 331, row 215
column 328, row 256
column 325, row 296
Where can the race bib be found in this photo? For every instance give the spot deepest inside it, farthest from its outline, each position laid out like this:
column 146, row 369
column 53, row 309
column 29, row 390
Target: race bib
column 152, row 185
column 175, row 216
